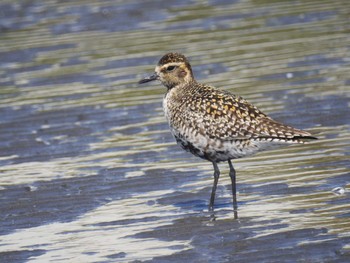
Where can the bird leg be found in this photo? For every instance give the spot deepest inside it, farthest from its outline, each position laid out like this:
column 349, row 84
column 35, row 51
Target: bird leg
column 213, row 191
column 233, row 177
column 233, row 182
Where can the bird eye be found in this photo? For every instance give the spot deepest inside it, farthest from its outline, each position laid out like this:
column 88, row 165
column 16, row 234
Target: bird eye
column 170, row 68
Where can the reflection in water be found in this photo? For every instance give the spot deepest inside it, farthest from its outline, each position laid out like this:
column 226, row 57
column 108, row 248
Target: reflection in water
column 89, row 171
column 213, row 217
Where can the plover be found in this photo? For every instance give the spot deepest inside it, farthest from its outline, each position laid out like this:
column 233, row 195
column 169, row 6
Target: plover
column 215, row 124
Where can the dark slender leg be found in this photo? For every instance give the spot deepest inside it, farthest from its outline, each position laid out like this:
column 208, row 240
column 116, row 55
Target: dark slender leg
column 213, row 190
column 233, row 177
column 233, row 182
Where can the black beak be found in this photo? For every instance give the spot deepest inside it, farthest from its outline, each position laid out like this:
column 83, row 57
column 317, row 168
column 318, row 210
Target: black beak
column 148, row 79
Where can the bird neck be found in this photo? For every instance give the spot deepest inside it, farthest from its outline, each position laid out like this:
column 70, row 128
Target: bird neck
column 177, row 93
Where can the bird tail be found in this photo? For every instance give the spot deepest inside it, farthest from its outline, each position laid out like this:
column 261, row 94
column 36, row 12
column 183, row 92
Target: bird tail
column 276, row 131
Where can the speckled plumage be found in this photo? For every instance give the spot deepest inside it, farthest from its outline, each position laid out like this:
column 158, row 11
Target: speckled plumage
column 215, row 124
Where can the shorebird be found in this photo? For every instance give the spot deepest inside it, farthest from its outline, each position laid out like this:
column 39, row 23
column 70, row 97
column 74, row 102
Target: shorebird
column 215, row 124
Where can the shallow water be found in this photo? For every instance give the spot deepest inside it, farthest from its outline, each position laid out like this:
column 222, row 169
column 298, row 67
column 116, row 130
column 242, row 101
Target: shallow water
column 89, row 171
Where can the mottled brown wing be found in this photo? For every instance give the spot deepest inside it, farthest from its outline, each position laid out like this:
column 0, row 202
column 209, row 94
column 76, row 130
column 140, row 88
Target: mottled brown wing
column 224, row 116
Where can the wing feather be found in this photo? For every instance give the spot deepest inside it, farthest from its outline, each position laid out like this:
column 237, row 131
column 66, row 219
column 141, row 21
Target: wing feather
column 222, row 115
